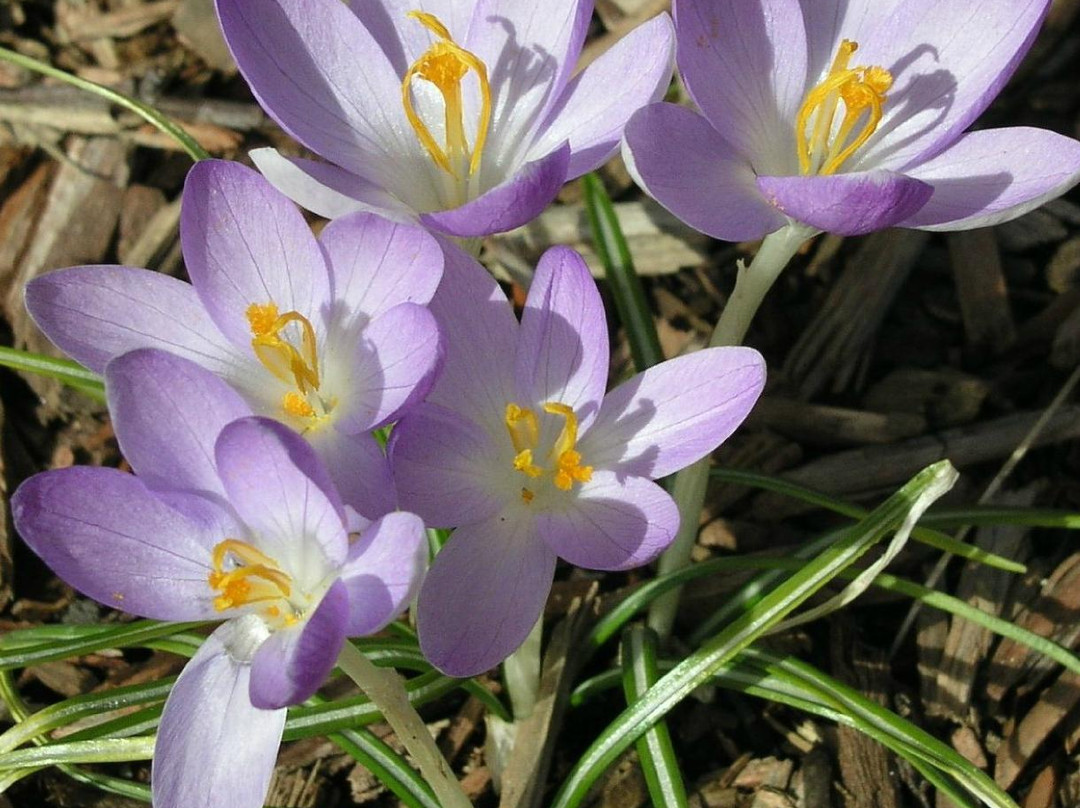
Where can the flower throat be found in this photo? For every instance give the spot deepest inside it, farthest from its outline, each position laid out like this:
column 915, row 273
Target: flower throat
column 524, row 429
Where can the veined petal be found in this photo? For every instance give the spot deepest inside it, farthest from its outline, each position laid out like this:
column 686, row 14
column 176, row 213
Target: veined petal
column 847, row 204
column 282, row 491
column 828, row 22
column 404, row 40
column 94, row 313
column 994, row 175
column 688, row 167
column 744, row 65
column 594, row 109
column 104, row 533
column 677, row 412
column 214, row 749
column 168, row 412
column 615, row 522
column 393, row 367
column 383, row 571
column 245, row 243
column 483, row 594
column 376, row 264
column 359, row 469
column 443, row 466
column 948, row 61
column 515, row 202
column 562, row 349
column 293, row 662
column 326, row 189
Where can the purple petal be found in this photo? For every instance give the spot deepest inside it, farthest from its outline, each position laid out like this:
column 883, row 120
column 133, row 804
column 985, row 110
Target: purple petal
column 403, row 40
column 95, row 313
column 281, row 491
column 828, row 22
column 214, row 748
column 948, row 61
column 994, row 175
column 483, row 594
column 744, row 65
column 383, row 571
column 847, row 204
column 376, row 264
column 324, row 188
column 293, row 662
column 394, row 367
column 167, row 412
column 593, row 112
column 244, row 243
column 479, row 333
column 615, row 522
column 107, row 535
column 515, row 202
column 562, row 350
column 674, row 413
column 359, row 469
column 686, row 166
column 443, row 466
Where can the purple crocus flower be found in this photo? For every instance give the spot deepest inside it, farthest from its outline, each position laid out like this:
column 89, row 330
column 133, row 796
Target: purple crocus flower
column 846, row 116
column 327, row 336
column 226, row 519
column 460, row 112
column 520, row 450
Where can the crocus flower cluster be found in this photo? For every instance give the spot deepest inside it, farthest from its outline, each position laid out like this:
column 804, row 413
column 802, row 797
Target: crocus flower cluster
column 846, row 116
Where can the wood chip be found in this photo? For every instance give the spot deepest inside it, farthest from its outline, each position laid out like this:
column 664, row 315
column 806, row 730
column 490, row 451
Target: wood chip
column 1038, row 725
column 833, row 426
column 81, row 25
column 983, row 293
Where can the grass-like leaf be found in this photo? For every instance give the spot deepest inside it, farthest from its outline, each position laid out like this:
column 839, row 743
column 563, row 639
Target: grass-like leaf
column 64, row 370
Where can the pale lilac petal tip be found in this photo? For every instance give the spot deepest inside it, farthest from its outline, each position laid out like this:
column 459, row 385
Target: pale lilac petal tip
column 483, row 594
column 214, row 749
column 847, row 204
column 360, row 471
column 615, row 522
column 293, row 662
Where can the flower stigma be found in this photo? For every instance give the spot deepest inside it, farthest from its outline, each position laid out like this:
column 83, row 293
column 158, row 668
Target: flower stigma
column 297, row 366
column 246, row 576
column 445, row 64
column 861, row 89
column 566, row 466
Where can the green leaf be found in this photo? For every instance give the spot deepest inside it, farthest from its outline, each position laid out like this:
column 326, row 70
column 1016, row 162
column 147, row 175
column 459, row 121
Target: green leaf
column 64, row 370
column 20, row 649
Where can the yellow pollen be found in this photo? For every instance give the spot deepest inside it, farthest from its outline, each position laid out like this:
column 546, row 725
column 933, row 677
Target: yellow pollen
column 524, row 429
column 523, row 462
column 445, row 64
column 255, row 578
column 523, row 426
column 262, row 318
column 294, row 364
column 295, row 404
column 861, row 90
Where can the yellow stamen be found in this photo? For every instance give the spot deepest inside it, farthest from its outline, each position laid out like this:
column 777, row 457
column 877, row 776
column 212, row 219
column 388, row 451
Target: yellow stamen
column 445, row 64
column 524, row 429
column 256, row 578
column 523, row 426
column 296, row 405
column 861, row 89
column 296, row 365
column 523, row 462
column 567, row 459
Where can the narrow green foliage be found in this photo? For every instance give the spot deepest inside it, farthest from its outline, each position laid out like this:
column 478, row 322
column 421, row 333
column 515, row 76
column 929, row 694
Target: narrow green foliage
column 64, row 370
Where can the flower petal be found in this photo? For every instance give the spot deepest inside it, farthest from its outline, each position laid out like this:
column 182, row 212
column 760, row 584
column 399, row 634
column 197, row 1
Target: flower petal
column 483, row 595
column 245, row 243
column 293, row 662
column 404, row 40
column 594, row 109
column 167, row 412
column 376, row 264
column 443, row 464
column 562, row 350
column 359, row 469
column 94, row 313
column 686, row 166
column 107, row 535
column 515, row 202
column 326, row 189
column 282, row 491
column 393, row 367
column 615, row 522
column 948, row 61
column 214, row 748
column 847, row 204
column 994, row 175
column 674, row 413
column 383, row 571
column 744, row 65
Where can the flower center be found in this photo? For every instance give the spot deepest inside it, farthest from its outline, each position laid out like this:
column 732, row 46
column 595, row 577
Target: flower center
column 565, row 461
column 862, row 90
column 246, row 576
column 297, row 366
column 445, row 64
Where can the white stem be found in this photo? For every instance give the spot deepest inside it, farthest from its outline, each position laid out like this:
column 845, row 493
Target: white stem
column 386, row 689
column 751, row 285
column 521, row 673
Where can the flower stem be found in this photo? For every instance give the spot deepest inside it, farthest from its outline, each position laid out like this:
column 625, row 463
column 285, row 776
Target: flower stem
column 387, row 692
column 751, row 285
